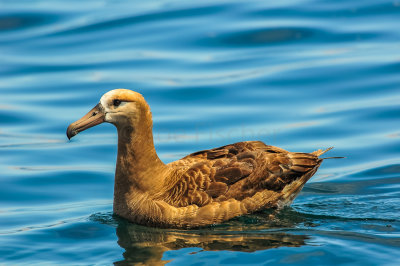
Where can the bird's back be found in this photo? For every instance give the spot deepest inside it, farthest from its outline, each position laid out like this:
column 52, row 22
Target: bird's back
column 239, row 171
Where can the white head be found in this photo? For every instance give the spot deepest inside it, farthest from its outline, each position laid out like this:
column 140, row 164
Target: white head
column 120, row 107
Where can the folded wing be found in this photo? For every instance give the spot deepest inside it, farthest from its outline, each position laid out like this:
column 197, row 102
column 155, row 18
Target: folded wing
column 237, row 171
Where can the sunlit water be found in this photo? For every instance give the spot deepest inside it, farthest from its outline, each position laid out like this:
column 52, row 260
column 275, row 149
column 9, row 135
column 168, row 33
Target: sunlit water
column 300, row 75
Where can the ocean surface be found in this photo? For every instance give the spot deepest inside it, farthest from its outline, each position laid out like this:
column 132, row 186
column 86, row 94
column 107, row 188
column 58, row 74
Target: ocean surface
column 301, row 75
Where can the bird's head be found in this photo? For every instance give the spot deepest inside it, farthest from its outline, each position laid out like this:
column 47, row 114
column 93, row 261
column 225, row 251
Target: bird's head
column 120, row 107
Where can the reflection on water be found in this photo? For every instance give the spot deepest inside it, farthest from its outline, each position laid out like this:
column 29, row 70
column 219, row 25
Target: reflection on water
column 247, row 234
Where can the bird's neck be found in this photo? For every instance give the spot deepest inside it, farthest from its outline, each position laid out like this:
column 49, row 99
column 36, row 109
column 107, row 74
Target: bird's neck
column 138, row 169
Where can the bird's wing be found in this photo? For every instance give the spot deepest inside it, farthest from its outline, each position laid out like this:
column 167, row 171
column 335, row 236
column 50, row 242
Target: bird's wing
column 236, row 171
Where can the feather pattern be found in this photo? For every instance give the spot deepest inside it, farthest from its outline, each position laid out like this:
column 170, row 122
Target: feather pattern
column 218, row 184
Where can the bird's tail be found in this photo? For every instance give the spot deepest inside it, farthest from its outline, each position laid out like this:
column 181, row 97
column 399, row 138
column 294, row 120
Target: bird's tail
column 320, row 152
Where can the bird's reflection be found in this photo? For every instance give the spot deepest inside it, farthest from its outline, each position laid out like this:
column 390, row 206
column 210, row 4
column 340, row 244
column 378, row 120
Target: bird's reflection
column 146, row 245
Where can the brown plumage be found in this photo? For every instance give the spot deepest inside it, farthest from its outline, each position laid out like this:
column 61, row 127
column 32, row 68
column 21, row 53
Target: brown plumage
column 203, row 188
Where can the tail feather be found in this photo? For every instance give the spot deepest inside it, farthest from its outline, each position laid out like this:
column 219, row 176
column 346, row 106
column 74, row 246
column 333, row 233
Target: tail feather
column 320, row 152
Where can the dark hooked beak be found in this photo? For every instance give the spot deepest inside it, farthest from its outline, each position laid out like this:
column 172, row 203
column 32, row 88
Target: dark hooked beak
column 94, row 117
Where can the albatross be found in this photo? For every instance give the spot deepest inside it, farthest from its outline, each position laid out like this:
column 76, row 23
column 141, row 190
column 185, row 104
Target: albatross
column 204, row 188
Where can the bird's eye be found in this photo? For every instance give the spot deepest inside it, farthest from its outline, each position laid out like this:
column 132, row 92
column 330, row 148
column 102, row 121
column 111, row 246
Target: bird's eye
column 116, row 102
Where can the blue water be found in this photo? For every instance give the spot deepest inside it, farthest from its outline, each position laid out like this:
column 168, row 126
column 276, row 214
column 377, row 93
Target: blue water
column 300, row 75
